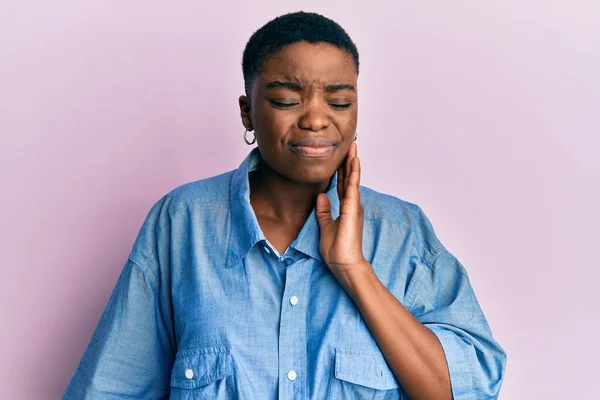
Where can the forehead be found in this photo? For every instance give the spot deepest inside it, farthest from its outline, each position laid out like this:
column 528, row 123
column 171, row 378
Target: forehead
column 319, row 63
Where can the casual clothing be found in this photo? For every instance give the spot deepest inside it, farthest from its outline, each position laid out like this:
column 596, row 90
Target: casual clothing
column 206, row 308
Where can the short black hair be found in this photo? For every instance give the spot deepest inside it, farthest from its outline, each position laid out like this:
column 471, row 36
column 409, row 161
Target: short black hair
column 288, row 29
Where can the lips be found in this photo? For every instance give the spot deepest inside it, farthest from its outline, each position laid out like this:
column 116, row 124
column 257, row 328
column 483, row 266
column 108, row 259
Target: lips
column 316, row 147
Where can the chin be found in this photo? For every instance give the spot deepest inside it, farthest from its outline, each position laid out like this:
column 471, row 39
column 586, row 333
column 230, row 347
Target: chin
column 311, row 175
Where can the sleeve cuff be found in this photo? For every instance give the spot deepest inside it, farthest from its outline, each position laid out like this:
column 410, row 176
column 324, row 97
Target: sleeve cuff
column 459, row 363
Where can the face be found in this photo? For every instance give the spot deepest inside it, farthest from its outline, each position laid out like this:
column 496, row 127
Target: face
column 303, row 110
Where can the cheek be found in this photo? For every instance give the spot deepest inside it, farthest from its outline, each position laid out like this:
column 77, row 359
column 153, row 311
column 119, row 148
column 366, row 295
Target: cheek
column 274, row 123
column 347, row 125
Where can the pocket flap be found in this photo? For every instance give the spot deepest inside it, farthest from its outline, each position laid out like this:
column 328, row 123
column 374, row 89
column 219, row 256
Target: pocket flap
column 366, row 368
column 198, row 367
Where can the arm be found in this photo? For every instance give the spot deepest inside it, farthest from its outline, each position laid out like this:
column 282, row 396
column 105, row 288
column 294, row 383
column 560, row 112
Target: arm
column 133, row 347
column 412, row 351
column 130, row 354
column 439, row 345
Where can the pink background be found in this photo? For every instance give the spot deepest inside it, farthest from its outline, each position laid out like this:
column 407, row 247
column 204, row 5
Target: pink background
column 486, row 114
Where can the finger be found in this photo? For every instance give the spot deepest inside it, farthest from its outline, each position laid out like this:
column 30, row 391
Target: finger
column 354, row 180
column 340, row 181
column 323, row 211
column 347, row 173
column 352, row 154
column 359, row 170
column 353, row 189
column 349, row 157
column 348, row 165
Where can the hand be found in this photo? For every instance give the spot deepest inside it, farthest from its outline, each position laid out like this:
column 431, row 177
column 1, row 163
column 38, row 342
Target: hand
column 341, row 240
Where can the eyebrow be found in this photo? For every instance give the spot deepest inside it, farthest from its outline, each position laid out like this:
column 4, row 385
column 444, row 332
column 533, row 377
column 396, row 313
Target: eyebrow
column 285, row 85
column 339, row 86
column 334, row 87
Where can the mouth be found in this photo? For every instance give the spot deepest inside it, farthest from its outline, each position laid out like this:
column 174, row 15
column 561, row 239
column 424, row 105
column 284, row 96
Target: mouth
column 313, row 148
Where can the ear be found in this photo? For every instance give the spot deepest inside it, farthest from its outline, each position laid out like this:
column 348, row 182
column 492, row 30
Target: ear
column 244, row 102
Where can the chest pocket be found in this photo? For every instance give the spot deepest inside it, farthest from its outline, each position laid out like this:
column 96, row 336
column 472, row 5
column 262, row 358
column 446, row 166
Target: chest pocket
column 203, row 374
column 362, row 375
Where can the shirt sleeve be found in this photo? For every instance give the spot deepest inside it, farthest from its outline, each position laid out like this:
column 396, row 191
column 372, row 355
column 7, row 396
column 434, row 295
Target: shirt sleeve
column 440, row 296
column 130, row 354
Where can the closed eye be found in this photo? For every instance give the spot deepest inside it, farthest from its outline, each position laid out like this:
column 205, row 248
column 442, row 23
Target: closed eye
column 284, row 105
column 338, row 106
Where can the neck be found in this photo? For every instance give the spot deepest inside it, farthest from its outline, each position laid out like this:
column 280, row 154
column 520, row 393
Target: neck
column 275, row 197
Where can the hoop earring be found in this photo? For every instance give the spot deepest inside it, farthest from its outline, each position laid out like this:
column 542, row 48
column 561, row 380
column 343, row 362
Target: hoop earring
column 355, row 136
column 246, row 139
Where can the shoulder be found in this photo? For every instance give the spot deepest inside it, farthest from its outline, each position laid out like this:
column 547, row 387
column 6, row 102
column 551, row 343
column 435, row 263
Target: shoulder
column 203, row 192
column 390, row 208
column 156, row 229
column 407, row 217
column 385, row 207
column 206, row 191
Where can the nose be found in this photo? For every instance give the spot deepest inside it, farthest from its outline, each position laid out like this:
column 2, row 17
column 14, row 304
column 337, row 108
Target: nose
column 314, row 116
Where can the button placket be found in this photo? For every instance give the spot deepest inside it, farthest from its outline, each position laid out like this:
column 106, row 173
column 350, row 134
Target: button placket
column 292, row 333
column 291, row 375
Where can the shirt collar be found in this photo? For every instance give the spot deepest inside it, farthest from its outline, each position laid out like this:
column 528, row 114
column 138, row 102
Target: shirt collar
column 245, row 231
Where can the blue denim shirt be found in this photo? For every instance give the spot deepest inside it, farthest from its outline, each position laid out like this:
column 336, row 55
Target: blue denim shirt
column 206, row 308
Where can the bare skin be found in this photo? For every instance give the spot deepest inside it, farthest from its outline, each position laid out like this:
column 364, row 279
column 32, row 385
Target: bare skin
column 303, row 110
column 284, row 191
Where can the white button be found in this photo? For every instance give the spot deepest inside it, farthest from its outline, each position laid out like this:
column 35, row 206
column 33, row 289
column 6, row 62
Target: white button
column 292, row 375
column 293, row 300
column 267, row 249
column 189, row 373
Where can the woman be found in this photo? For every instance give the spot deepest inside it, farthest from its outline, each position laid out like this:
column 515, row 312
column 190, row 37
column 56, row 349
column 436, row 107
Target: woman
column 283, row 279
